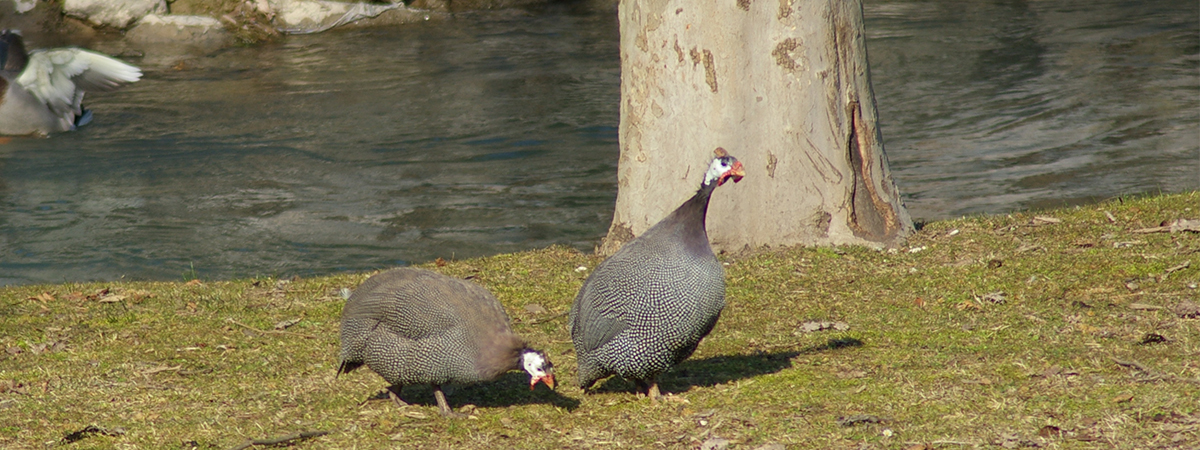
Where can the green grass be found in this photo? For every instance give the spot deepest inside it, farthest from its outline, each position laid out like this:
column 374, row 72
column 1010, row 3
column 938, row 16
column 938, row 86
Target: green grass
column 181, row 365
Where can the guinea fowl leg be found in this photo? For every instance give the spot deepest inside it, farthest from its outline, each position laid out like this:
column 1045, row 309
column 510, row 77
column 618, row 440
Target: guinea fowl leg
column 443, row 406
column 394, row 394
column 649, row 389
column 653, row 392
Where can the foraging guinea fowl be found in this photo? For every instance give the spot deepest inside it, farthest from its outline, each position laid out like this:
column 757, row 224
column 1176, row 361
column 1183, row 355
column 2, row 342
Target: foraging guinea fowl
column 647, row 307
column 413, row 326
column 42, row 91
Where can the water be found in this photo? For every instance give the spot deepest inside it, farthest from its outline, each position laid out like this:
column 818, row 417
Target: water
column 361, row 149
column 989, row 107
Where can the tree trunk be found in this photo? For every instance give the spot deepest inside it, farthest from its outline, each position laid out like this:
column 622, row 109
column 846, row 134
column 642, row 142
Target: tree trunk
column 783, row 86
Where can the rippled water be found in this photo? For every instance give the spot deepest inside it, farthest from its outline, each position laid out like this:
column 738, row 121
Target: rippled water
column 990, row 107
column 360, row 149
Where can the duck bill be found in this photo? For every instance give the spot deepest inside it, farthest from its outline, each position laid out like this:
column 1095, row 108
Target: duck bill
column 547, row 379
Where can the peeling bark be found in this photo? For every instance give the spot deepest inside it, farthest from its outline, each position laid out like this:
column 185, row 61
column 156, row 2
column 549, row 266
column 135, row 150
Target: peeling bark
column 784, row 86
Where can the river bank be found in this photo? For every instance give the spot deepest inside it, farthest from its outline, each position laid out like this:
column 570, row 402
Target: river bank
column 1065, row 328
column 208, row 25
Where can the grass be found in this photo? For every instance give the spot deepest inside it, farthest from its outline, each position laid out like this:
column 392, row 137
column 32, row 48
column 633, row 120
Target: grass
column 1052, row 329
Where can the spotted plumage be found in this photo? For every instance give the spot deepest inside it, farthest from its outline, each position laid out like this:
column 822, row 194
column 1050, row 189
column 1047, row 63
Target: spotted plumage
column 413, row 326
column 649, row 305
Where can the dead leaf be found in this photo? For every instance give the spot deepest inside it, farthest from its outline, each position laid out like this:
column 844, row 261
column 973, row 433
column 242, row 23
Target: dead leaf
column 715, row 443
column 439, row 262
column 1045, row 220
column 1174, row 226
column 1178, row 225
column 1030, row 248
column 815, row 325
column 1186, row 309
column 283, row 325
column 1152, row 338
column 919, row 447
column 849, row 421
column 1123, row 398
column 995, row 298
column 995, row 264
column 112, row 298
column 155, row 370
column 1185, row 265
column 772, row 446
column 195, row 282
column 43, row 297
column 1144, row 307
column 1126, row 244
column 967, row 304
column 1050, row 431
column 534, row 308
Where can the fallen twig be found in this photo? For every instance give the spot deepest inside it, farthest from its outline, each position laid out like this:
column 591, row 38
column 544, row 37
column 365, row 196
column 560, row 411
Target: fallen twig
column 257, row 330
column 1131, row 364
column 547, row 319
column 279, row 440
column 1175, row 226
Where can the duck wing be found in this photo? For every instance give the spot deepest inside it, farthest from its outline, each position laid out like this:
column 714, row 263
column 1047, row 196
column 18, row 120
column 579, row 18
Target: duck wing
column 59, row 77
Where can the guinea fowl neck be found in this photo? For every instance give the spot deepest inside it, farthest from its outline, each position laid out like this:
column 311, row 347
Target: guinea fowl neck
column 688, row 220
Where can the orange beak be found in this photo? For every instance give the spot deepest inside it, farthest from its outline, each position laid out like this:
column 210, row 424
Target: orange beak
column 548, row 379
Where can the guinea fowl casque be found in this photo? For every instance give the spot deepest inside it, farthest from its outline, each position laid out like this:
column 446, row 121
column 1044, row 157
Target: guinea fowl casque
column 413, row 326
column 42, row 91
column 649, row 305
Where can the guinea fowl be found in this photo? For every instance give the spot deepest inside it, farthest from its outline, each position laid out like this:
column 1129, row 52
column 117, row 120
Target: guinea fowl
column 647, row 307
column 413, row 326
column 42, row 91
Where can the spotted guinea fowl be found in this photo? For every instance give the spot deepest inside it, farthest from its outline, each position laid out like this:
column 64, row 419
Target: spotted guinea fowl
column 647, row 307
column 413, row 326
column 42, row 91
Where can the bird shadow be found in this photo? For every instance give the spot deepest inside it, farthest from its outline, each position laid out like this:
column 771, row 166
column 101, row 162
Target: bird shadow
column 715, row 370
column 509, row 390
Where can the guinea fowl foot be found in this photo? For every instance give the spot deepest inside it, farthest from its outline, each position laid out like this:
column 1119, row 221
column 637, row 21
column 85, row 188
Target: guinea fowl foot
column 443, row 406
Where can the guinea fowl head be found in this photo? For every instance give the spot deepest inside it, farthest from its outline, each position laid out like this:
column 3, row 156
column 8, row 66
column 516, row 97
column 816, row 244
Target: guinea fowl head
column 724, row 167
column 539, row 367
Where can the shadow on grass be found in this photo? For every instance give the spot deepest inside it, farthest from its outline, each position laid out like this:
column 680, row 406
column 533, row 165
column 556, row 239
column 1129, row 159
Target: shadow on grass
column 717, row 370
column 510, row 389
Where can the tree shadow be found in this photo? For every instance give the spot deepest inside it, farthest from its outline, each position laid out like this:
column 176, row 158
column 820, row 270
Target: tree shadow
column 509, row 390
column 723, row 369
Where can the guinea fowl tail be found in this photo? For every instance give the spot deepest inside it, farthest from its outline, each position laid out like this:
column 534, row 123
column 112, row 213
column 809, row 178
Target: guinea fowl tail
column 346, row 367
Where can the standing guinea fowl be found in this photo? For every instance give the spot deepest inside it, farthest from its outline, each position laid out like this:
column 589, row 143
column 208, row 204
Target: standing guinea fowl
column 414, row 326
column 647, row 307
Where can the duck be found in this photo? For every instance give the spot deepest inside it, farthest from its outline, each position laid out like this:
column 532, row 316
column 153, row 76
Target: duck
column 647, row 307
column 41, row 91
column 415, row 326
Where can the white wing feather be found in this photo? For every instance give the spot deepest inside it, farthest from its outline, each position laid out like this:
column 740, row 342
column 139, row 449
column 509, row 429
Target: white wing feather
column 59, row 77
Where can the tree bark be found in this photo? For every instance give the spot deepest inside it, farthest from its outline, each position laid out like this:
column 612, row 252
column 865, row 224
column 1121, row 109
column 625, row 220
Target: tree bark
column 782, row 85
